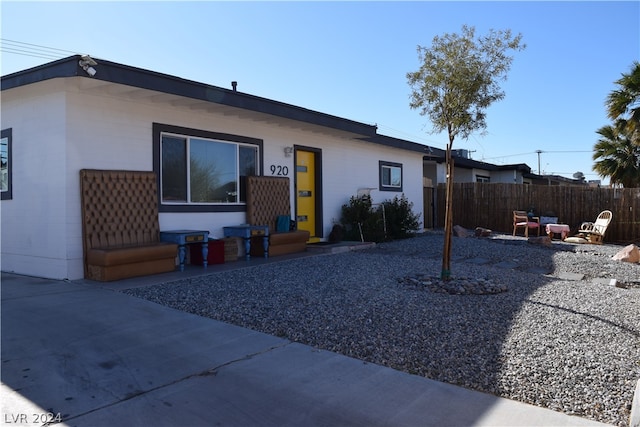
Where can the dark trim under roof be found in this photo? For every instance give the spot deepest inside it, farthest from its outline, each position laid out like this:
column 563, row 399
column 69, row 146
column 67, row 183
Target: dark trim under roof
column 112, row 72
column 464, row 163
column 554, row 179
column 429, row 152
column 132, row 76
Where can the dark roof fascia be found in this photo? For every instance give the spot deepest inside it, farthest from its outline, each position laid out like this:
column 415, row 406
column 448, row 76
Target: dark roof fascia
column 521, row 167
column 389, row 141
column 67, row 67
column 535, row 178
column 131, row 76
column 464, row 163
column 461, row 162
column 555, row 179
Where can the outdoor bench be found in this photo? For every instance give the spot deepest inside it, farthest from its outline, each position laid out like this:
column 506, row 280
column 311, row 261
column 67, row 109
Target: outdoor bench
column 268, row 198
column 120, row 227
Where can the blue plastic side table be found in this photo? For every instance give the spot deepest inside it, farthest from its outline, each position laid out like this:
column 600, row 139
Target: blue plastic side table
column 182, row 237
column 247, row 231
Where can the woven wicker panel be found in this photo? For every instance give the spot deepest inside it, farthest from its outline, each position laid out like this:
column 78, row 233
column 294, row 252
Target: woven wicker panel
column 267, row 197
column 118, row 208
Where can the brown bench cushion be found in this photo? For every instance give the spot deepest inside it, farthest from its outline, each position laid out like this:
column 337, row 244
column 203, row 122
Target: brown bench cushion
column 281, row 243
column 130, row 254
column 120, row 228
column 124, row 271
column 288, row 237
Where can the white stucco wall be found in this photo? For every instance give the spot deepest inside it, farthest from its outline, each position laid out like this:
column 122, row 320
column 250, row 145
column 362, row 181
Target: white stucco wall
column 506, row 177
column 352, row 165
column 60, row 127
column 463, row 175
column 34, row 222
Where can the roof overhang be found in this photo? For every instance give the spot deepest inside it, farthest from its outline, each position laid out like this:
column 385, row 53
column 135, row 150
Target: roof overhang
column 461, row 162
column 182, row 91
column 135, row 83
column 429, row 152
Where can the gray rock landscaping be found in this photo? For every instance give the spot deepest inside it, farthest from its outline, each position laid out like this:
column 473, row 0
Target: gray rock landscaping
column 534, row 323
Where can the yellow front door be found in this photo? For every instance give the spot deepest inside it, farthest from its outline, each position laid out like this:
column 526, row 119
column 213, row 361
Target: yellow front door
column 306, row 193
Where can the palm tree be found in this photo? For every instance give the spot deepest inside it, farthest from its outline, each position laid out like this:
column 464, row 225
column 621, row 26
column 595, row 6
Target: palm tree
column 624, row 102
column 616, row 156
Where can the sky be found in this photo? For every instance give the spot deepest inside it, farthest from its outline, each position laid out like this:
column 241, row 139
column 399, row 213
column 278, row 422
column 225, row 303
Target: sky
column 350, row 59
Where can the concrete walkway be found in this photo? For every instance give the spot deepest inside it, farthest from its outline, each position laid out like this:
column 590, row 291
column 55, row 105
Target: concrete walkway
column 95, row 357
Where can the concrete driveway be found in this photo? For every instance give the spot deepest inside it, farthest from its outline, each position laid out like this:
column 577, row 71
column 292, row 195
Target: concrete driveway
column 90, row 356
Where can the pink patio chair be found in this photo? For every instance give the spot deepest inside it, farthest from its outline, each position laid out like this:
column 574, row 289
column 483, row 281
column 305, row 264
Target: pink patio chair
column 521, row 219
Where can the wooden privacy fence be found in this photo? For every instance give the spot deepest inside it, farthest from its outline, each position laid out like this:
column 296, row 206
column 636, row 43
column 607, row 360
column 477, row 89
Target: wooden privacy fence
column 491, row 206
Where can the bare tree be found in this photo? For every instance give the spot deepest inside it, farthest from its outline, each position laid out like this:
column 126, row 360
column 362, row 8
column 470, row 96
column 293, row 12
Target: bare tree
column 457, row 81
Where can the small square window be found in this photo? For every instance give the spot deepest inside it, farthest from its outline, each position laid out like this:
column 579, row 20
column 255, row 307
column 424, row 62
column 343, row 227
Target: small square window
column 390, row 176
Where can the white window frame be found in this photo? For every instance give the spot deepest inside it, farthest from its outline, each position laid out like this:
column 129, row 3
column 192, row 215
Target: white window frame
column 389, row 166
column 6, row 191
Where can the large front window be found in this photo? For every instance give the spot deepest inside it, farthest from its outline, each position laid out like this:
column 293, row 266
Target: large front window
column 204, row 169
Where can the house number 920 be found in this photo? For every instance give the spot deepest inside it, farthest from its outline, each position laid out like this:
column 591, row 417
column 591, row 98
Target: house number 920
column 279, row 170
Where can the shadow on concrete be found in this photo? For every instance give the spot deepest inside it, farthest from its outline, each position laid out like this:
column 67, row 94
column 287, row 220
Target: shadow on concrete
column 96, row 356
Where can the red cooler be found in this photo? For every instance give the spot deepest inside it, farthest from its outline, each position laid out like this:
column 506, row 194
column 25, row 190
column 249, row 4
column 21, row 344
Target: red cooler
column 215, row 255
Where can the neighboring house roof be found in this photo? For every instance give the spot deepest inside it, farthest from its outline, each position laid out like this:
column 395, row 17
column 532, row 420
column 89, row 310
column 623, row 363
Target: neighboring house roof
column 554, row 180
column 465, row 163
column 406, row 145
column 111, row 72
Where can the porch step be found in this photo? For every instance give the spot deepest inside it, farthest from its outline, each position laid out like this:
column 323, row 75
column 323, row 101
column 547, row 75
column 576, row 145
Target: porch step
column 335, row 248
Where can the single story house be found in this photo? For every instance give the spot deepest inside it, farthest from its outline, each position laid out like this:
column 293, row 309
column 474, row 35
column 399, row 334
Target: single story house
column 559, row 180
column 469, row 170
column 79, row 113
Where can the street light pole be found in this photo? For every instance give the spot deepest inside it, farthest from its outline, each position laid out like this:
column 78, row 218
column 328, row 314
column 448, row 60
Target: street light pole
column 539, row 151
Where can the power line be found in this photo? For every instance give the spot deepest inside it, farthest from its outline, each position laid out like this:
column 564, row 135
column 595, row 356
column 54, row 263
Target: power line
column 536, row 152
column 509, row 155
column 571, row 151
column 35, row 46
column 27, row 53
column 34, row 50
column 409, row 135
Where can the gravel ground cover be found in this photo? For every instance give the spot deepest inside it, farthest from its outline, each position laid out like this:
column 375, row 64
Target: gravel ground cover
column 568, row 345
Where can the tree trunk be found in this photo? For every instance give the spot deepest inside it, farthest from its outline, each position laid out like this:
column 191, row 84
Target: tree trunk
column 448, row 218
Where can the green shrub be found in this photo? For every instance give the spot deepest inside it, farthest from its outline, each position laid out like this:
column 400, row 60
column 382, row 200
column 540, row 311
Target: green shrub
column 361, row 220
column 401, row 221
column 357, row 211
